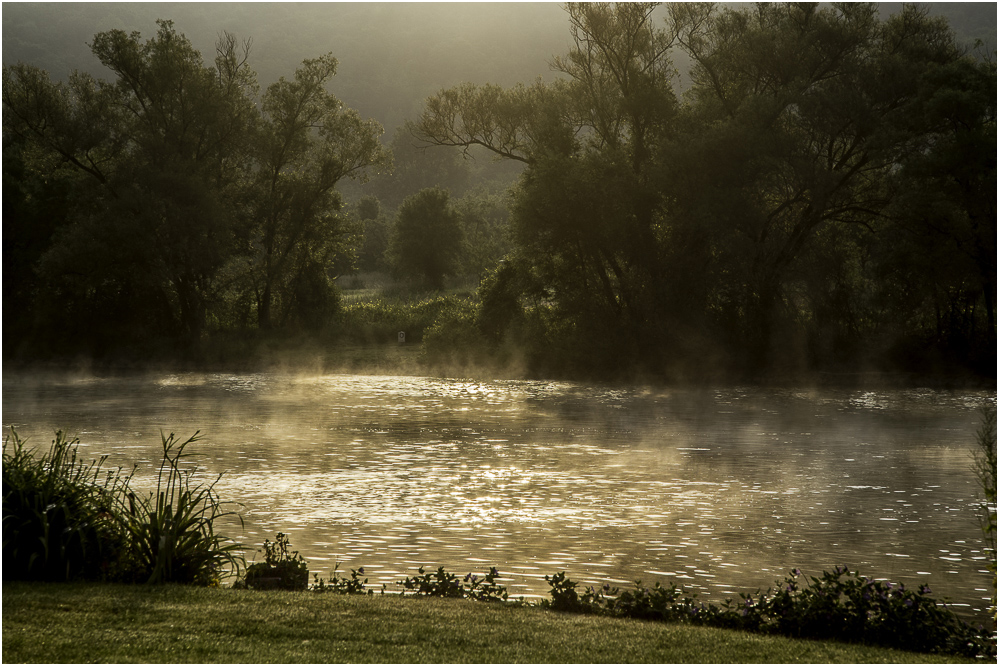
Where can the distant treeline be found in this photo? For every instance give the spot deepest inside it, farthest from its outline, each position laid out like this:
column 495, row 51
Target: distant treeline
column 820, row 198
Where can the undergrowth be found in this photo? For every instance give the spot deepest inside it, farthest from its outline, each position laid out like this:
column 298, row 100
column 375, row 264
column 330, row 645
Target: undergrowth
column 840, row 605
column 64, row 519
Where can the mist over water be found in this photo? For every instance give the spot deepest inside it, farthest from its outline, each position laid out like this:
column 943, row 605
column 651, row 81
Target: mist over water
column 721, row 490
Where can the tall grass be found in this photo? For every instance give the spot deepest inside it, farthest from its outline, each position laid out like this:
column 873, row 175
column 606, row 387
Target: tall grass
column 65, row 520
column 172, row 530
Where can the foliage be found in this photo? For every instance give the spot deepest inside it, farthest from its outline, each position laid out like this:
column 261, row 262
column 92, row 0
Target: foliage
column 485, row 227
column 280, row 569
column 445, row 584
column 181, row 201
column 339, row 585
column 416, row 169
column 307, row 142
column 381, row 321
column 171, row 531
column 371, row 253
column 65, row 520
column 454, row 341
column 746, row 226
column 58, row 519
column 427, row 239
column 841, row 605
column 984, row 457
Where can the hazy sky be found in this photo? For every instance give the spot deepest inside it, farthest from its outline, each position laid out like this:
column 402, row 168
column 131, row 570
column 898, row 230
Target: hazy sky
column 392, row 55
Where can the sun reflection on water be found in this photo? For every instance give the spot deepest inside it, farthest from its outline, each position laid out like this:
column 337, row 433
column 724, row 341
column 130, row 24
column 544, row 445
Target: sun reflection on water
column 722, row 490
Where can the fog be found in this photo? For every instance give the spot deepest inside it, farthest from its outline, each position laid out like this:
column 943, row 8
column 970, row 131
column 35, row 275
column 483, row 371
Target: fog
column 392, row 55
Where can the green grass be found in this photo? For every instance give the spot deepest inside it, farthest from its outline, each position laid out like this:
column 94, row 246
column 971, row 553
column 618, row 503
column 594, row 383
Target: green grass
column 48, row 622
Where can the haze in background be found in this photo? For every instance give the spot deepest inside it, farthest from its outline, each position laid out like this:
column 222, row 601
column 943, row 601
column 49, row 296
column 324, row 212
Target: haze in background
column 392, row 55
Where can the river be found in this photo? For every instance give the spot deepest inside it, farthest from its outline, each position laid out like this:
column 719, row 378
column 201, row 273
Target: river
column 720, row 490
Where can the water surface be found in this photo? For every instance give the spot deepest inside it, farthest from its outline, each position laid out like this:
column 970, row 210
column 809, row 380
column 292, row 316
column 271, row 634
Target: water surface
column 721, row 490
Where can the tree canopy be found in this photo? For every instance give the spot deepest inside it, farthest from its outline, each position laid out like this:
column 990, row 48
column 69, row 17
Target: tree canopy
column 748, row 222
column 182, row 196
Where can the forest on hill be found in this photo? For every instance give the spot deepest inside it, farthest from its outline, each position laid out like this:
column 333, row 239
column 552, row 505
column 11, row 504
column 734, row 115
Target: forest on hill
column 681, row 191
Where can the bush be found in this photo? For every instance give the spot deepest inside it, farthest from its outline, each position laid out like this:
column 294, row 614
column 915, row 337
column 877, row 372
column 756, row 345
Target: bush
column 58, row 521
column 280, row 570
column 841, row 605
column 64, row 520
column 985, row 469
column 445, row 584
column 340, row 585
column 381, row 321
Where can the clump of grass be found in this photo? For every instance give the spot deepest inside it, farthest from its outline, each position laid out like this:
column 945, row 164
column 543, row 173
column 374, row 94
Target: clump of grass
column 64, row 519
column 171, row 531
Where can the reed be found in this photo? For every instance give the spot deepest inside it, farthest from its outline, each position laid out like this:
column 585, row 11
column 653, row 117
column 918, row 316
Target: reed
column 64, row 519
column 172, row 529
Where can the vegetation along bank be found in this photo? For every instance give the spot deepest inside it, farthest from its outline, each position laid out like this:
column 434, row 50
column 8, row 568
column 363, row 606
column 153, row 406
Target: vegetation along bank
column 672, row 202
column 68, row 520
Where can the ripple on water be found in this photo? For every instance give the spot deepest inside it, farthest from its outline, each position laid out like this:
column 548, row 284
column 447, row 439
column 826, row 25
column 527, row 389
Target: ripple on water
column 722, row 490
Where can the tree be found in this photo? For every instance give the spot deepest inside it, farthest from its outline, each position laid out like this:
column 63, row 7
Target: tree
column 585, row 215
column 798, row 116
column 306, row 144
column 371, row 254
column 427, row 239
column 943, row 220
column 415, row 168
column 485, row 226
column 164, row 149
column 187, row 195
column 730, row 224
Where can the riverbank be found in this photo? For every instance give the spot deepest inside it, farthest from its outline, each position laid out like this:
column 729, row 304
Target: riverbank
column 80, row 622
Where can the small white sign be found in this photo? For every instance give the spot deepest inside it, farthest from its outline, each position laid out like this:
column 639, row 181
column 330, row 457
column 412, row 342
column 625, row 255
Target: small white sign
column 402, row 337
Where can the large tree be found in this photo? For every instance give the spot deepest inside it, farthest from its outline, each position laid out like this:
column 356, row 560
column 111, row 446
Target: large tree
column 796, row 118
column 184, row 192
column 162, row 147
column 427, row 241
column 734, row 220
column 307, row 143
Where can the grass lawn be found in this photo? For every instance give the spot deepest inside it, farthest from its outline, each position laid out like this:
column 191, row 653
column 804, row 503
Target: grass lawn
column 171, row 624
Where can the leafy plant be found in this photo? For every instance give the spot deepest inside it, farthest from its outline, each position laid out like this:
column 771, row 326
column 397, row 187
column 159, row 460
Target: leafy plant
column 57, row 513
column 445, row 584
column 341, row 585
column 280, row 569
column 841, row 605
column 985, row 470
column 171, row 532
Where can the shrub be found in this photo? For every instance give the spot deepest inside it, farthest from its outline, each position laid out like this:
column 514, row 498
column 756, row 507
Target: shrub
column 841, row 605
column 381, row 321
column 340, row 585
column 985, row 470
column 63, row 520
column 58, row 513
column 445, row 584
column 280, row 570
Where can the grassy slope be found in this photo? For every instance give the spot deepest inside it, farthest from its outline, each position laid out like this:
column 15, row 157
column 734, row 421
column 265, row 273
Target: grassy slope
column 109, row 623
